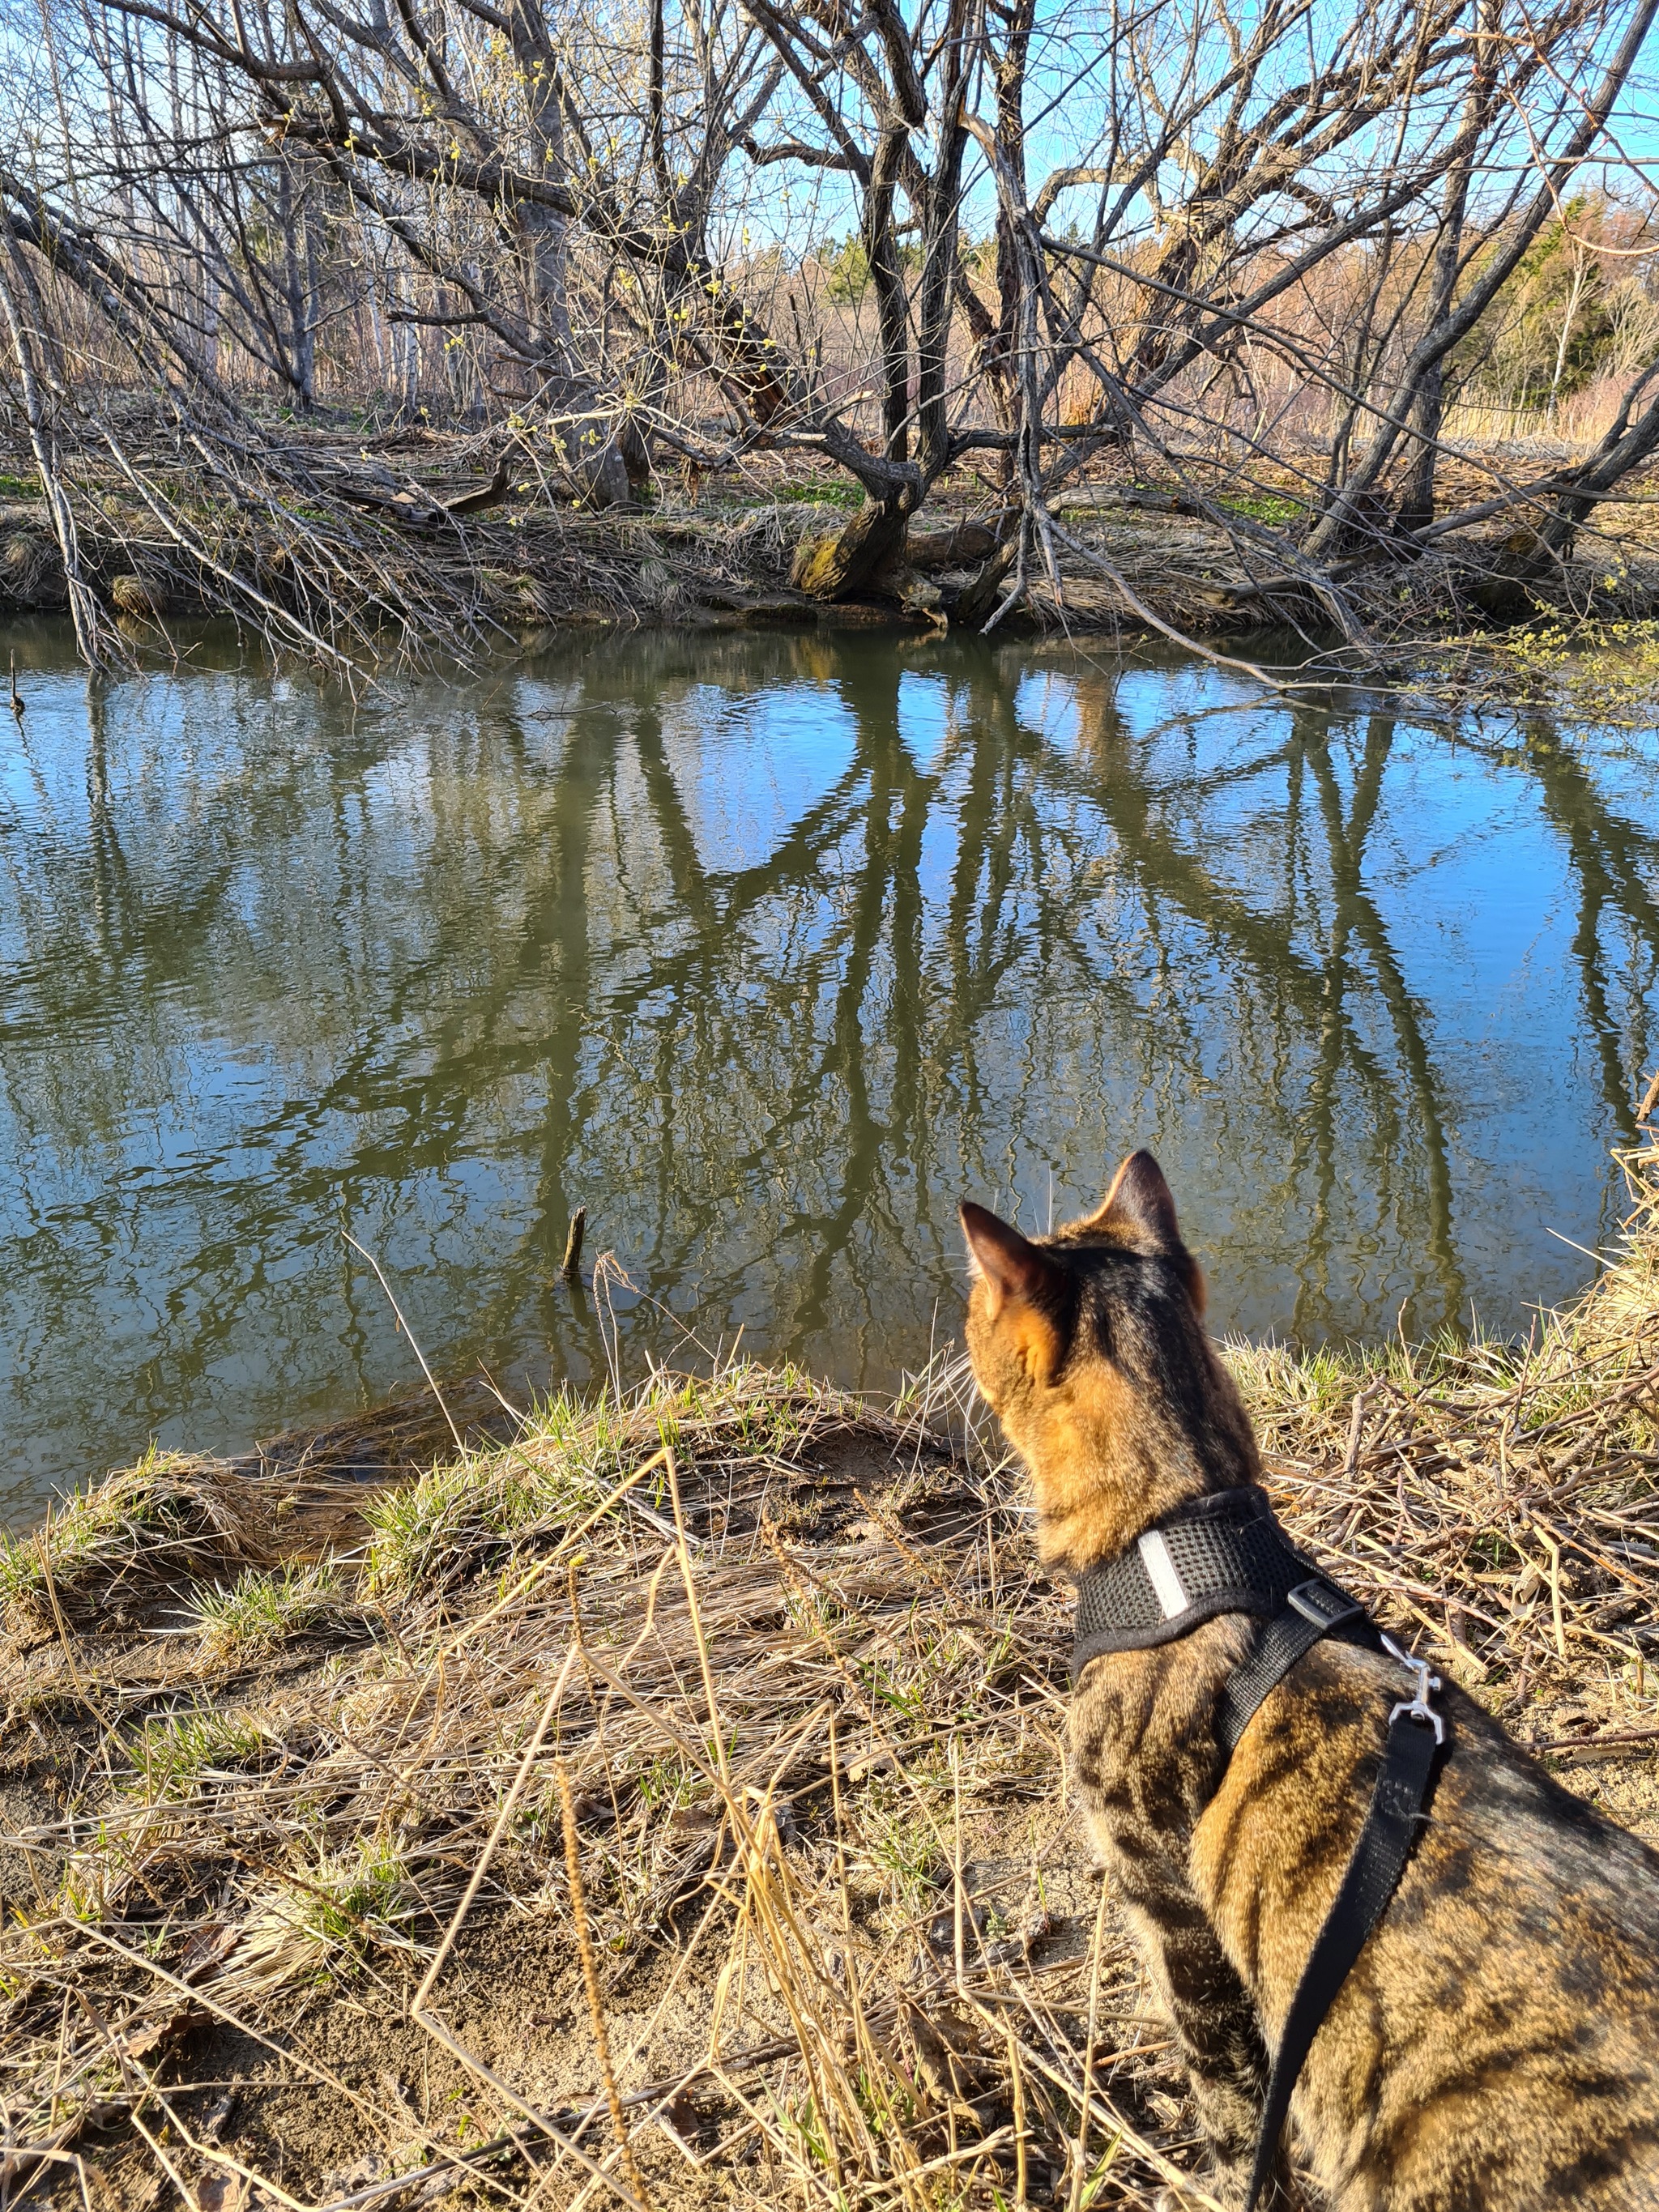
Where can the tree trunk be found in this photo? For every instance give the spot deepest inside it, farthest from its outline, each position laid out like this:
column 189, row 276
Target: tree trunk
column 588, row 443
column 1417, row 501
column 864, row 556
column 867, row 552
column 1625, row 447
column 887, row 282
column 939, row 259
column 301, row 350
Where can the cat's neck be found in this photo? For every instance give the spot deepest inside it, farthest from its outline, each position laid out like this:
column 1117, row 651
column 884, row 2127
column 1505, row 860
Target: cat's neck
column 1098, row 1506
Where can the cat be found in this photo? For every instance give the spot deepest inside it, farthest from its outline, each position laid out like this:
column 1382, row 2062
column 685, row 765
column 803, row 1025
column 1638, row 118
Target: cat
column 1496, row 2045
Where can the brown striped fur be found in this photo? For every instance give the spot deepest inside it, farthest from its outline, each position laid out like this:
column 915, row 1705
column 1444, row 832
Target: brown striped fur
column 1496, row 2045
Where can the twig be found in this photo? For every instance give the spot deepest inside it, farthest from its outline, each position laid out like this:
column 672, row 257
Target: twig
column 1081, row 2171
column 572, row 1262
column 392, row 1301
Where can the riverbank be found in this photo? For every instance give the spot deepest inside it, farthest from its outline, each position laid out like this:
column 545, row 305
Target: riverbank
column 426, row 545
column 673, row 1789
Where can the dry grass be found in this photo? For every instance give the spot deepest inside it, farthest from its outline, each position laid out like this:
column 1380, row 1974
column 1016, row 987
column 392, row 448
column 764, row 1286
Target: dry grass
column 1499, row 1501
column 299, row 1829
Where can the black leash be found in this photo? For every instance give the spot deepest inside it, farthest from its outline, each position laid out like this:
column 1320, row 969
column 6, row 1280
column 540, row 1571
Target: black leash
column 1395, row 1814
column 1226, row 1553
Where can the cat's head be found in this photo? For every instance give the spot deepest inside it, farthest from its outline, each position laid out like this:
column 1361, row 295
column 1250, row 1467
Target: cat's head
column 1089, row 1345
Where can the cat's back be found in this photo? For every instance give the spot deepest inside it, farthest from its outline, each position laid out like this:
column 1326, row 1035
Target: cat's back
column 1498, row 2042
column 1561, row 1859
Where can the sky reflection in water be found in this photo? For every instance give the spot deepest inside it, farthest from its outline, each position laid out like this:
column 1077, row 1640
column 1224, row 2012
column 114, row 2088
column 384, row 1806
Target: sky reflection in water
column 766, row 949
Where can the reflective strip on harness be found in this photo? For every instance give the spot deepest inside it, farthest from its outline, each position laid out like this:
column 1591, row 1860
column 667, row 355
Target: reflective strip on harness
column 1166, row 1583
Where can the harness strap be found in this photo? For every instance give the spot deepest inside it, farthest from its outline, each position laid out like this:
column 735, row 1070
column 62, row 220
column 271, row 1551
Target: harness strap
column 1226, row 1553
column 1222, row 1553
column 1396, row 1812
column 1312, row 1610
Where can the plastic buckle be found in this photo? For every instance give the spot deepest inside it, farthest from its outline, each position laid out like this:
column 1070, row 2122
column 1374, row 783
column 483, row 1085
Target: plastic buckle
column 1417, row 1706
column 1321, row 1603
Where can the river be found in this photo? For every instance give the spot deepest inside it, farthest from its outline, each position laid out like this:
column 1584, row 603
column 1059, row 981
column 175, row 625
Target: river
column 766, row 948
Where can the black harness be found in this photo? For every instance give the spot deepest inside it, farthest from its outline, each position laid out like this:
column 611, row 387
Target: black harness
column 1226, row 1553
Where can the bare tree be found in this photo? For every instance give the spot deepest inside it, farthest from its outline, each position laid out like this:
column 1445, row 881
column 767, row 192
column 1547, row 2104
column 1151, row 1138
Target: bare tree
column 1196, row 236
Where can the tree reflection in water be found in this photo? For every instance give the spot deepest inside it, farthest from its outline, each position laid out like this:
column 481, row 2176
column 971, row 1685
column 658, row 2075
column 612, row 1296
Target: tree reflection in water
column 764, row 948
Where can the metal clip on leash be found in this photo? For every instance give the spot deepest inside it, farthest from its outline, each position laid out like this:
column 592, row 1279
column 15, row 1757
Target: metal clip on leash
column 1417, row 1707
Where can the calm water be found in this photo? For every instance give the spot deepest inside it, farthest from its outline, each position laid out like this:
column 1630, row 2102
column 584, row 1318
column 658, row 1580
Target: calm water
column 765, row 950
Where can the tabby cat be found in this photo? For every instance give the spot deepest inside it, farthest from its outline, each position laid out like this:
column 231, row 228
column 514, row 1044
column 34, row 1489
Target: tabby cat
column 1497, row 2044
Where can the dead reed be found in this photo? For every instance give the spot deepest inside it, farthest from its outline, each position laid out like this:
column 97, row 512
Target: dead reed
column 770, row 1678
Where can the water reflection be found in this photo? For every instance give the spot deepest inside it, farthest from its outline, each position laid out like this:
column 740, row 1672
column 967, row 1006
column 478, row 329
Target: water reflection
column 764, row 949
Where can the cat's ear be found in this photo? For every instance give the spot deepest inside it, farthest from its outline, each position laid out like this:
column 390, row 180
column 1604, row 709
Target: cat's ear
column 1023, row 1291
column 1009, row 1265
column 1139, row 1201
column 1141, row 1205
